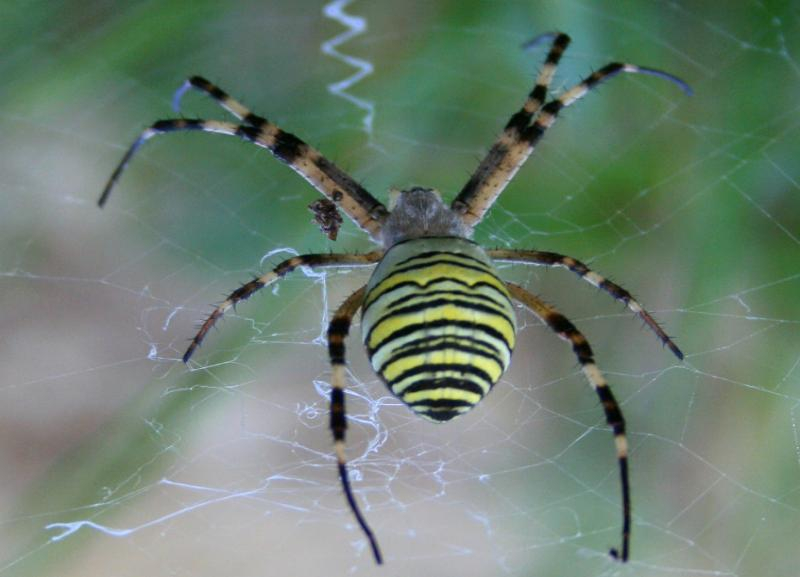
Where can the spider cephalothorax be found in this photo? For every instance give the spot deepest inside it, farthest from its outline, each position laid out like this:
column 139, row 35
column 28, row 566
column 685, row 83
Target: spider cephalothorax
column 418, row 212
column 437, row 321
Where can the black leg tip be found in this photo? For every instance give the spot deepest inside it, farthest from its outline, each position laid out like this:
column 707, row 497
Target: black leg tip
column 101, row 202
column 614, row 554
column 675, row 350
column 377, row 553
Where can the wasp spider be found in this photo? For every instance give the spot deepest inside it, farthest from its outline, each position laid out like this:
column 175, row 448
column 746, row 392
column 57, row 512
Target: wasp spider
column 438, row 323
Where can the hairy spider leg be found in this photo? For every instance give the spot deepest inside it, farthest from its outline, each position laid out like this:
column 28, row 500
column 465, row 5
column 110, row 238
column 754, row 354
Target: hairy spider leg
column 497, row 168
column 338, row 329
column 221, row 97
column 519, row 138
column 248, row 289
column 553, row 259
column 362, row 208
column 562, row 326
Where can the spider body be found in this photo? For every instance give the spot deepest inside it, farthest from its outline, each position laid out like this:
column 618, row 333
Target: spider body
column 438, row 322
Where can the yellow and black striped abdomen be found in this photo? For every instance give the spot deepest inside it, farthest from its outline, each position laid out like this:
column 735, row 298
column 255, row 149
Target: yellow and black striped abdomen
column 438, row 324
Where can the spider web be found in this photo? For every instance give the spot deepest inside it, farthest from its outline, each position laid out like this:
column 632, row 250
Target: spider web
column 118, row 459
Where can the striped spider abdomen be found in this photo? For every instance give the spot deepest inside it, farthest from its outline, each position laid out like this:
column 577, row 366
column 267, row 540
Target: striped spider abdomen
column 438, row 325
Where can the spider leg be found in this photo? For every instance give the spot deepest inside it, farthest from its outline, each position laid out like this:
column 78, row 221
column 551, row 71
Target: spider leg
column 559, row 324
column 515, row 144
column 502, row 161
column 362, row 208
column 542, row 258
column 337, row 333
column 221, row 97
column 248, row 289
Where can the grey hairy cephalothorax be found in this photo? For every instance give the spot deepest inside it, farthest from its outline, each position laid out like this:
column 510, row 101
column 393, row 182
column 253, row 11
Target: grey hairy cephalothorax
column 419, row 212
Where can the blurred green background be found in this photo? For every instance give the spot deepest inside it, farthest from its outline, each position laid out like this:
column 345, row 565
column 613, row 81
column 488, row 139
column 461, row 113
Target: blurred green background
column 150, row 468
